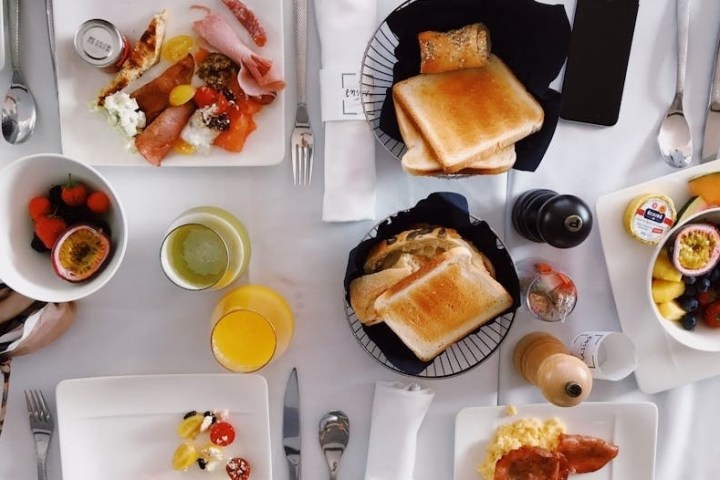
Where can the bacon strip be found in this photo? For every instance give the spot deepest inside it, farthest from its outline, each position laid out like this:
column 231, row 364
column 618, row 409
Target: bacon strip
column 247, row 19
column 257, row 76
column 531, row 463
column 586, row 454
column 158, row 138
column 154, row 96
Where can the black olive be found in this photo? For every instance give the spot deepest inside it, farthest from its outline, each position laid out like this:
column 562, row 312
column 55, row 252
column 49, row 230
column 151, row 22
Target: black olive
column 201, row 463
column 189, row 414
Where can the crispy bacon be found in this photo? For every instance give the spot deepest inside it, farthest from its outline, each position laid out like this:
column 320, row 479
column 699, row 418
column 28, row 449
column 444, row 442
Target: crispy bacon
column 154, row 96
column 257, row 77
column 531, row 463
column 248, row 20
column 586, row 454
column 158, row 138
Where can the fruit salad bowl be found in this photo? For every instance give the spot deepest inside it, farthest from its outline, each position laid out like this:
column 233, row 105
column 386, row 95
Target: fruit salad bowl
column 40, row 275
column 684, row 288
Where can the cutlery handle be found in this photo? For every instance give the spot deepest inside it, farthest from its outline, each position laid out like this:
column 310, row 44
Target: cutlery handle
column 715, row 87
column 14, row 24
column 50, row 16
column 683, row 25
column 300, row 8
column 42, row 443
column 294, row 470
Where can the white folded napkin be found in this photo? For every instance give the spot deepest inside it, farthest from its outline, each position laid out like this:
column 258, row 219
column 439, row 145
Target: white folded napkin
column 345, row 27
column 398, row 412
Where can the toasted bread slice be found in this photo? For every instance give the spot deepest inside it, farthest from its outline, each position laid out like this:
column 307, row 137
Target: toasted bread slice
column 465, row 115
column 467, row 47
column 421, row 160
column 441, row 303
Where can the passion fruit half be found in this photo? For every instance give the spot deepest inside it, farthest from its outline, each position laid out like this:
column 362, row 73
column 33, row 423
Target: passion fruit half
column 696, row 250
column 80, row 253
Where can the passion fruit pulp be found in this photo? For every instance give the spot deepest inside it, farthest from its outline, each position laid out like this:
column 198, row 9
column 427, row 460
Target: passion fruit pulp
column 80, row 253
column 696, row 250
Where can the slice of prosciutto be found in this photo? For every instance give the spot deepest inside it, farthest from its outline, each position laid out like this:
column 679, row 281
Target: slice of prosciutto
column 531, row 463
column 154, row 96
column 158, row 138
column 257, row 77
column 586, row 454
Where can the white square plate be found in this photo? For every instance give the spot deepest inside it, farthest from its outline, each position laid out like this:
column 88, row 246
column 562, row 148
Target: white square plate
column 88, row 137
column 125, row 428
column 630, row 426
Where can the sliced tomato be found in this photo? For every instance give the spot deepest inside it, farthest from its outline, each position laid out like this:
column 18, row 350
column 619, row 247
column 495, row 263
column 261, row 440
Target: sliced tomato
column 222, row 105
column 205, row 96
column 241, row 125
column 222, row 434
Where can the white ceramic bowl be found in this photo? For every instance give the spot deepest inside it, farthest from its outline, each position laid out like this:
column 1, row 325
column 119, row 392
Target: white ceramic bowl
column 703, row 337
column 22, row 268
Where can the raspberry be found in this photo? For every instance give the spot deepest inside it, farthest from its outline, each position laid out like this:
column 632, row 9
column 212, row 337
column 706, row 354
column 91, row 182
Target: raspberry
column 49, row 229
column 98, row 202
column 74, row 193
column 39, row 207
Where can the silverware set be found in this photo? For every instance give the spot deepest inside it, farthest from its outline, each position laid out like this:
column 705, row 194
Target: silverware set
column 301, row 141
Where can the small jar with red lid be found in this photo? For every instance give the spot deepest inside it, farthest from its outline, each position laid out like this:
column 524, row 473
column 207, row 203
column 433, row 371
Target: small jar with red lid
column 102, row 45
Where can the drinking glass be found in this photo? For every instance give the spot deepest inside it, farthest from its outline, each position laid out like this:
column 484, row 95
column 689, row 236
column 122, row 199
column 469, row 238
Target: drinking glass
column 251, row 325
column 205, row 248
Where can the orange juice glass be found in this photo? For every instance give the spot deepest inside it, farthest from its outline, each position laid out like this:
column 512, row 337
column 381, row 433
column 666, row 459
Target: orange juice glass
column 251, row 325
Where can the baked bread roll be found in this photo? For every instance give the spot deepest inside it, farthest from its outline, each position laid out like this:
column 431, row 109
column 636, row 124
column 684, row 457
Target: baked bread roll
column 466, row 116
column 467, row 47
column 441, row 303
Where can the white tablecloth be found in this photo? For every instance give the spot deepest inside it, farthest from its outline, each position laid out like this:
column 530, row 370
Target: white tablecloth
column 141, row 324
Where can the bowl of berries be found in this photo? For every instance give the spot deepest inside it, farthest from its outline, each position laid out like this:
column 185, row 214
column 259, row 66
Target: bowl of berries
column 64, row 231
column 684, row 281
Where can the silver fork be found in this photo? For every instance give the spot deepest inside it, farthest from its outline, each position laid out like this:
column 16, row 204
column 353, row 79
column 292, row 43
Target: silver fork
column 301, row 142
column 41, row 425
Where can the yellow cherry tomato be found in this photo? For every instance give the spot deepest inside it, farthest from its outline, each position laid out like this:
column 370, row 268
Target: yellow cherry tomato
column 176, row 48
column 183, row 147
column 185, row 455
column 190, row 427
column 181, row 94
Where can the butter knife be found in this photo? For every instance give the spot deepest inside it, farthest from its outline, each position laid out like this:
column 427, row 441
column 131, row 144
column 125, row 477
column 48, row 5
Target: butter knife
column 291, row 425
column 711, row 137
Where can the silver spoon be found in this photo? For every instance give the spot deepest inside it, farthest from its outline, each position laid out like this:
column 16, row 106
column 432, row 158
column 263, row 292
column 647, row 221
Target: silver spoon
column 18, row 109
column 334, row 434
column 674, row 138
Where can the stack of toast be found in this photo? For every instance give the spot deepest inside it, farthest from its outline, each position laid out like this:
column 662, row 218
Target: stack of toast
column 466, row 109
column 430, row 286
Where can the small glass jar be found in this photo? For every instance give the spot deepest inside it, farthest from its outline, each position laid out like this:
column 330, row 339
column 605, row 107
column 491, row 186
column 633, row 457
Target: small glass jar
column 102, row 45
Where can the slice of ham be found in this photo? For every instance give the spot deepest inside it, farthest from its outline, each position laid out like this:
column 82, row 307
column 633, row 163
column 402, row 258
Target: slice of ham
column 531, row 463
column 158, row 138
column 154, row 96
column 247, row 19
column 586, row 454
column 257, row 76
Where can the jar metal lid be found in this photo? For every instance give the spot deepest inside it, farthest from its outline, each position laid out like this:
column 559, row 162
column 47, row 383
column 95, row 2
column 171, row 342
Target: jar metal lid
column 99, row 42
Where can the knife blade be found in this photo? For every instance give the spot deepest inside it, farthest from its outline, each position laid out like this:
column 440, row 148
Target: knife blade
column 711, row 137
column 291, row 425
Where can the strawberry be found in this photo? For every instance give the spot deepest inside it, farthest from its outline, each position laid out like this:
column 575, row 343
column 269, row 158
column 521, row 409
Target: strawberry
column 39, row 207
column 706, row 298
column 74, row 193
column 49, row 229
column 98, row 202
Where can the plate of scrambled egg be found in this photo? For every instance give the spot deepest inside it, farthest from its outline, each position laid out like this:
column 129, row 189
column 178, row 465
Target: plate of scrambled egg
column 484, row 434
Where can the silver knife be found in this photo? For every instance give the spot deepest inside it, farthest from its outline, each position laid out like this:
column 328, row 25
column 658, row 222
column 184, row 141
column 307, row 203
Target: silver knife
column 291, row 425
column 711, row 137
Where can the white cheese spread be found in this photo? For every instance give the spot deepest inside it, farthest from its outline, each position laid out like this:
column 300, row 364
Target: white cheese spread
column 197, row 133
column 125, row 113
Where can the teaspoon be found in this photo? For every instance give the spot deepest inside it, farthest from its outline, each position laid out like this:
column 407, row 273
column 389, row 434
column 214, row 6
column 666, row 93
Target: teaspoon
column 334, row 433
column 18, row 109
column 674, row 139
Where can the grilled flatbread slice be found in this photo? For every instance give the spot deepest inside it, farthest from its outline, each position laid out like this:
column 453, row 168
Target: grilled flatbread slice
column 466, row 115
column 441, row 303
column 144, row 55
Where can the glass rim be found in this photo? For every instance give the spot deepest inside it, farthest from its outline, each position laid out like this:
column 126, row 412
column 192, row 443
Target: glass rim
column 254, row 369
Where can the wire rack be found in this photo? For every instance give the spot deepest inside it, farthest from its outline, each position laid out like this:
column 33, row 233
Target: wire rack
column 463, row 355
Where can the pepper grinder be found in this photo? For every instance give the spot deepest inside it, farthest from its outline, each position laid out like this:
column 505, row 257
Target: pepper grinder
column 543, row 360
column 544, row 216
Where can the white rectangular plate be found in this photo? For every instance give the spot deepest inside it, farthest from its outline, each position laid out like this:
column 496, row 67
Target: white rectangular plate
column 663, row 363
column 88, row 137
column 125, row 428
column 630, row 426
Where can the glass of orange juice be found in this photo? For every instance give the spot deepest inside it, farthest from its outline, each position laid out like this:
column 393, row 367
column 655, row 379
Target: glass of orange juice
column 205, row 248
column 251, row 325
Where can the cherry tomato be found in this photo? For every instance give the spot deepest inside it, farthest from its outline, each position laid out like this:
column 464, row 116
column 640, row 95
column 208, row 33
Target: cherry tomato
column 222, row 434
column 181, row 94
column 176, row 48
column 205, row 96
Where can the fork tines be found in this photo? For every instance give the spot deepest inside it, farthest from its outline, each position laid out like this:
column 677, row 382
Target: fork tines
column 37, row 408
column 302, row 158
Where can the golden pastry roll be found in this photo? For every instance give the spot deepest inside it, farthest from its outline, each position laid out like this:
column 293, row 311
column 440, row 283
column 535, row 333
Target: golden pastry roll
column 467, row 47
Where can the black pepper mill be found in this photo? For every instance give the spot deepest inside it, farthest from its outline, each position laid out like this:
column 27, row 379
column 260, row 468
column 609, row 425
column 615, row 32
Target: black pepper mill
column 544, row 216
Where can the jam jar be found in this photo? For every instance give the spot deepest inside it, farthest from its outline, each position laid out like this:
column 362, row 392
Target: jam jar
column 102, row 45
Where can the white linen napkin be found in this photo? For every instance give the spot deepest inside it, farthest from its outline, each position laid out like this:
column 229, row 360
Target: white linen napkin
column 398, row 412
column 345, row 27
